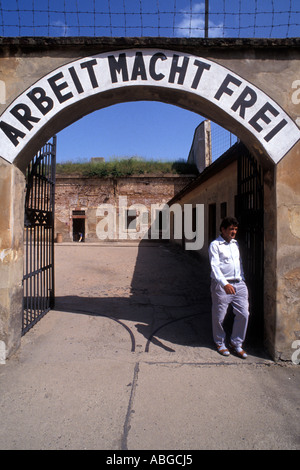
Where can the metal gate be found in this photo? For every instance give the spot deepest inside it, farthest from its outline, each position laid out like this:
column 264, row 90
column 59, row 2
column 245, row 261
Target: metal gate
column 250, row 213
column 38, row 279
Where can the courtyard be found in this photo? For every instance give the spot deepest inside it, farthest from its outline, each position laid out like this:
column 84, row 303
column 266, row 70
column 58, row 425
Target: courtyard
column 125, row 361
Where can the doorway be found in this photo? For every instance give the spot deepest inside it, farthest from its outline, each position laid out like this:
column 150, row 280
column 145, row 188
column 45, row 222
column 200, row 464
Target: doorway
column 78, row 218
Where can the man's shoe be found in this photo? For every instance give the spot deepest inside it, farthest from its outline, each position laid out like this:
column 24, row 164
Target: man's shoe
column 223, row 351
column 239, row 351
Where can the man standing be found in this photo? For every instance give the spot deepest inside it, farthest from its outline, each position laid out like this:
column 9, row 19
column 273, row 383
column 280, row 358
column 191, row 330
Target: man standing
column 228, row 287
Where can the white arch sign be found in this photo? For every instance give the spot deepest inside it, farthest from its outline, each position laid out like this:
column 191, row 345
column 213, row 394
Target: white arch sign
column 252, row 108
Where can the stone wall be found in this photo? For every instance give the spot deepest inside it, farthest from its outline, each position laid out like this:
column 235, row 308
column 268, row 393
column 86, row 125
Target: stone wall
column 86, row 194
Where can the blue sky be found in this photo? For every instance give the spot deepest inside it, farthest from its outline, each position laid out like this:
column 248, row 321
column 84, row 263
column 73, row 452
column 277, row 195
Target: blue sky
column 147, row 129
column 229, row 18
column 150, row 130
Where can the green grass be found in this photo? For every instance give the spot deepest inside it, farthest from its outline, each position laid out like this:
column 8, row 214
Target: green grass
column 118, row 167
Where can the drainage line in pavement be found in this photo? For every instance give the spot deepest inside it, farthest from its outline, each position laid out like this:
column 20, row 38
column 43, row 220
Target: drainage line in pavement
column 130, row 410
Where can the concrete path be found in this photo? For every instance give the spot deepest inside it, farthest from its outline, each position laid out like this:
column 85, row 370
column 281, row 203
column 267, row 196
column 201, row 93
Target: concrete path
column 126, row 362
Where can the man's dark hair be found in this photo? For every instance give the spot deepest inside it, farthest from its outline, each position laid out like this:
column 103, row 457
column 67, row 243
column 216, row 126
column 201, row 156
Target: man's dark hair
column 228, row 221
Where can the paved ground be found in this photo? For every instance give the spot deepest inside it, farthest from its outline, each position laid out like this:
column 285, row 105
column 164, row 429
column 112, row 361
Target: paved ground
column 126, row 361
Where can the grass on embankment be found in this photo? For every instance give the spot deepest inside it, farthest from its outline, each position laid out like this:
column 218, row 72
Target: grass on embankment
column 132, row 166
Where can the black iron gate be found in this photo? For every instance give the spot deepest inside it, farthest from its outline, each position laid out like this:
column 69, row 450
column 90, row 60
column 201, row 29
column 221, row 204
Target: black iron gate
column 38, row 279
column 250, row 213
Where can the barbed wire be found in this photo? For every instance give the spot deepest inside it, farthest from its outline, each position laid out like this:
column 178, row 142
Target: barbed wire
column 169, row 18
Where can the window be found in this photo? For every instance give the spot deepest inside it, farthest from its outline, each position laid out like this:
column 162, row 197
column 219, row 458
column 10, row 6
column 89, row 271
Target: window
column 223, row 210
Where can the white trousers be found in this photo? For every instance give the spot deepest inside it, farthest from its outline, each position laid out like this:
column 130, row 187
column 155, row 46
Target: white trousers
column 240, row 305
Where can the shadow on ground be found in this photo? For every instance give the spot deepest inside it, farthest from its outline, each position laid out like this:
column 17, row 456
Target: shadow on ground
column 166, row 301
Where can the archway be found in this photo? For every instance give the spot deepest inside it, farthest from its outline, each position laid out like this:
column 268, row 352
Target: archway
column 196, row 84
column 84, row 85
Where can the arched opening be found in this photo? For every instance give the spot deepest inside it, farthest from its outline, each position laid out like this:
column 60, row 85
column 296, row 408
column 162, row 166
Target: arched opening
column 73, row 298
column 139, row 282
column 224, row 98
column 193, row 83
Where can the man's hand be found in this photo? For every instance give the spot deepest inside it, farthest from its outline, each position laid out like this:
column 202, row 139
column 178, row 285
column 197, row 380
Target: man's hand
column 229, row 289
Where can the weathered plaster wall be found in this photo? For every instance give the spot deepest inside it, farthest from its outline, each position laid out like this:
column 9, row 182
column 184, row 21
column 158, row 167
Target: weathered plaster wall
column 288, row 255
column 220, row 188
column 11, row 255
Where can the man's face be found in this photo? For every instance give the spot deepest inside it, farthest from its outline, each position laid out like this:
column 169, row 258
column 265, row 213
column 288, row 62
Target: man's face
column 229, row 233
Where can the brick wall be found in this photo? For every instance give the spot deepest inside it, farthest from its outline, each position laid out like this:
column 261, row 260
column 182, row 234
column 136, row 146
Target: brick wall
column 74, row 194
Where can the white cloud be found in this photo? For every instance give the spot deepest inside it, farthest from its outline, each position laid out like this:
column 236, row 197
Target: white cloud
column 193, row 22
column 64, row 27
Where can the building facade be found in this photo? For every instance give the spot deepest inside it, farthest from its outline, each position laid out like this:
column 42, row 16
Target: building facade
column 82, row 205
column 234, row 186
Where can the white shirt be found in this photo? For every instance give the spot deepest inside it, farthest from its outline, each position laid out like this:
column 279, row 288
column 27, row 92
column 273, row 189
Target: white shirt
column 225, row 261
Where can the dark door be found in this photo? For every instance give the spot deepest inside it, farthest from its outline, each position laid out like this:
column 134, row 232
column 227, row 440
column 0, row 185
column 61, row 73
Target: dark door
column 78, row 217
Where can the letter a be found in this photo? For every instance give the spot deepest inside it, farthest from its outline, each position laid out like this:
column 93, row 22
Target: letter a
column 12, row 132
column 106, row 226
